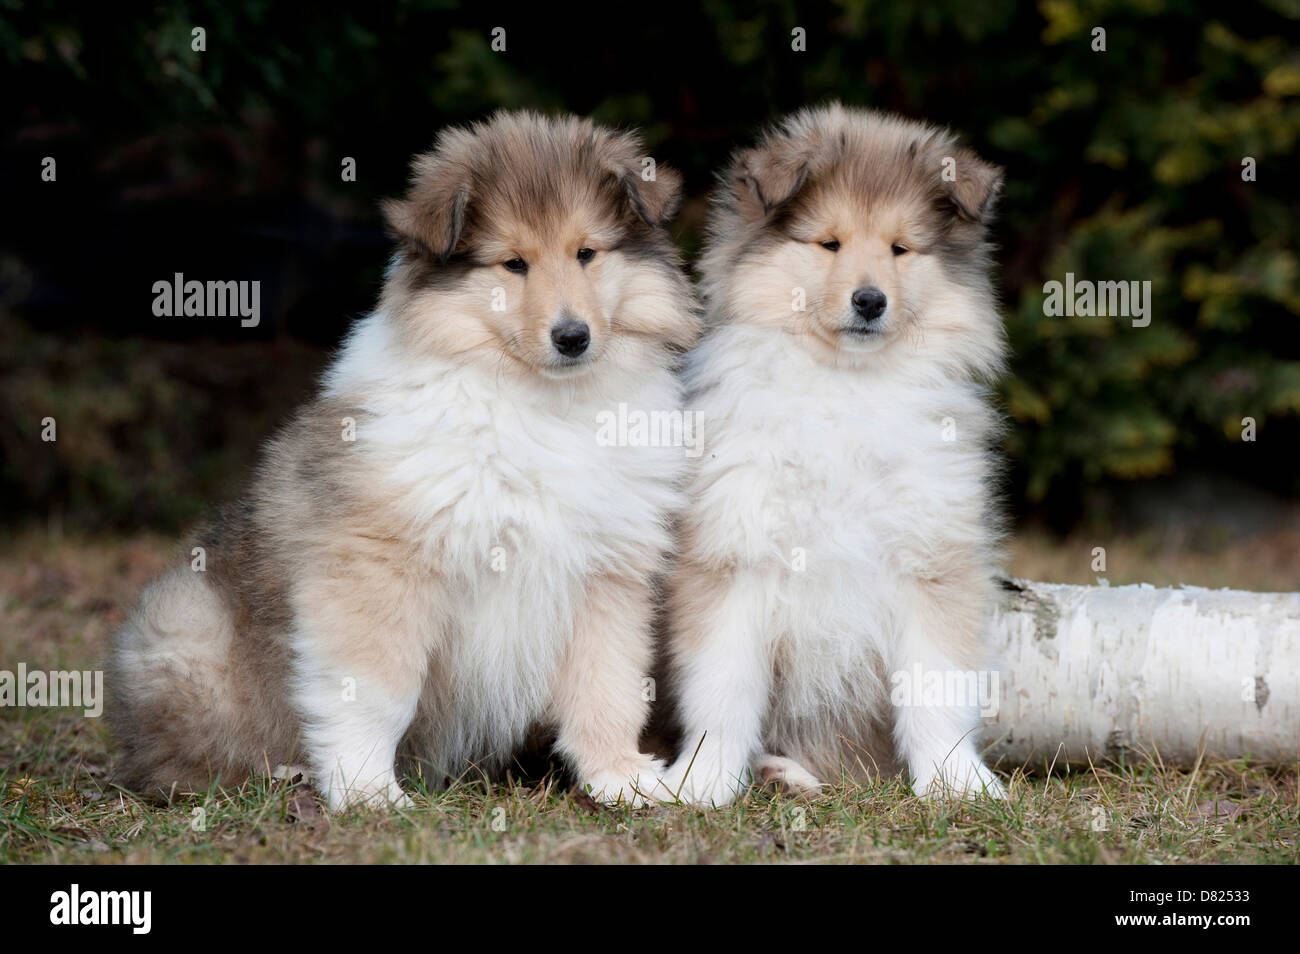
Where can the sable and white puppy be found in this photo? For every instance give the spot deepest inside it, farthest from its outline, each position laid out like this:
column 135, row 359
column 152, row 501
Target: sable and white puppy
column 839, row 528
column 437, row 555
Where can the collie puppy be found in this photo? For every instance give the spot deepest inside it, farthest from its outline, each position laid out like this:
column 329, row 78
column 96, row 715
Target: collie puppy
column 839, row 538
column 438, row 556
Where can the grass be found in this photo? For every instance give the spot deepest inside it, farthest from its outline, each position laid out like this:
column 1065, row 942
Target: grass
column 1266, row 562
column 61, row 811
column 61, row 599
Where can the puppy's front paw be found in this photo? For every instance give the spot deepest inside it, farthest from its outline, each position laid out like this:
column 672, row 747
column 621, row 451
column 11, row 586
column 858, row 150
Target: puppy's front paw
column 380, row 794
column 633, row 786
column 702, row 783
column 965, row 778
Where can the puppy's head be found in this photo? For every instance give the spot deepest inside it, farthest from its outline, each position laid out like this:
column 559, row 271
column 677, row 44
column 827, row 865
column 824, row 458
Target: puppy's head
column 860, row 234
column 538, row 243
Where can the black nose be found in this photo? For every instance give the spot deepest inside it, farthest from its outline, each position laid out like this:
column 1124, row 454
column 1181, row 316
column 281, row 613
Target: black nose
column 869, row 303
column 571, row 337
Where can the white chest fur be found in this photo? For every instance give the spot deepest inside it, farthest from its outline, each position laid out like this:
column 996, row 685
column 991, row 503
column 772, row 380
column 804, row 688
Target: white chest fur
column 829, row 484
column 508, row 491
column 834, row 461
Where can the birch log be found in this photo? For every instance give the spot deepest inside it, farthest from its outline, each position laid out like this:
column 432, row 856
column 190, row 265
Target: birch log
column 1100, row 671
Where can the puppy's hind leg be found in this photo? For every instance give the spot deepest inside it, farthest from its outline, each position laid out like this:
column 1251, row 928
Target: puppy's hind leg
column 785, row 775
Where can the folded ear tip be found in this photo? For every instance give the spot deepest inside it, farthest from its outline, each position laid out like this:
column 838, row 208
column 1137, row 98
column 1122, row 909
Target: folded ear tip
column 654, row 200
column 743, row 162
column 993, row 172
column 395, row 215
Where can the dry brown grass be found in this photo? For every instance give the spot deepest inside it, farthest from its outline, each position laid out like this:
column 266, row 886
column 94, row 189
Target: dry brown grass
column 1266, row 563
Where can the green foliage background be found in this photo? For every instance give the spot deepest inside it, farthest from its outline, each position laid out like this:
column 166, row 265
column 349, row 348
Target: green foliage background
column 1123, row 164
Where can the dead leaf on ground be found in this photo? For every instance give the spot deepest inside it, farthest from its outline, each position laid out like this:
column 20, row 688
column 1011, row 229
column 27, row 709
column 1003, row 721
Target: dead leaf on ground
column 588, row 804
column 305, row 810
column 1217, row 810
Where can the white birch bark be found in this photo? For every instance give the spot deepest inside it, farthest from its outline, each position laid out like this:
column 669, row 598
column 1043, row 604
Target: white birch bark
column 1097, row 671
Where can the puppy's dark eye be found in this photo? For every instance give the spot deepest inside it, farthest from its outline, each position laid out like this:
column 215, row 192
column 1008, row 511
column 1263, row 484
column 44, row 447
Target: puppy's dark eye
column 516, row 265
column 585, row 255
column 831, row 246
column 899, row 249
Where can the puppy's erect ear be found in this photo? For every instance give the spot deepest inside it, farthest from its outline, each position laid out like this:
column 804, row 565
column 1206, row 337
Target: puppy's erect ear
column 654, row 199
column 767, row 176
column 973, row 186
column 653, row 190
column 432, row 216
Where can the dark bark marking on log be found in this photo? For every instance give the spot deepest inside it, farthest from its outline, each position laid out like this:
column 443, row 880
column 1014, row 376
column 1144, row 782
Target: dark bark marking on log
column 1022, row 599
